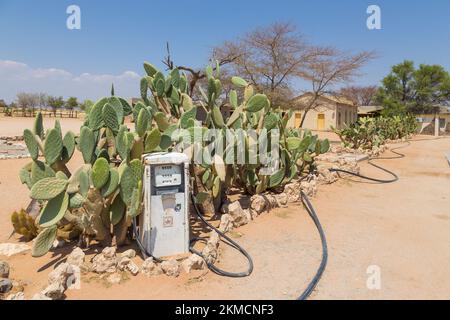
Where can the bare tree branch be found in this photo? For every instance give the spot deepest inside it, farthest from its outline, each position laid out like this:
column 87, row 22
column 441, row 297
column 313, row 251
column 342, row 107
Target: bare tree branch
column 330, row 68
column 270, row 58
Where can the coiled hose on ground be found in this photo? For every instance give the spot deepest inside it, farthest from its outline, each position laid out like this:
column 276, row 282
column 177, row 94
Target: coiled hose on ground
column 226, row 240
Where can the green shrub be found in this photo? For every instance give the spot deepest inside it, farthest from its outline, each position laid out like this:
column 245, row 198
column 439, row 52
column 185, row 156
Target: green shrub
column 373, row 132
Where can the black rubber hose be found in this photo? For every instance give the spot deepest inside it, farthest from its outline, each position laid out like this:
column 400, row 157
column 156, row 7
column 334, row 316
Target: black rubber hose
column 145, row 253
column 309, row 289
column 211, row 266
column 395, row 176
column 228, row 241
column 312, row 213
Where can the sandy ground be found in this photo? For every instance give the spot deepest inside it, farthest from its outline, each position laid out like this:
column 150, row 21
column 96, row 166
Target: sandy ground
column 14, row 126
column 402, row 228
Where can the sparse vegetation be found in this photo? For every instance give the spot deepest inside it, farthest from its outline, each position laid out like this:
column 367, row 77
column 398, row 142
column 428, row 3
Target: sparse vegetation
column 373, row 132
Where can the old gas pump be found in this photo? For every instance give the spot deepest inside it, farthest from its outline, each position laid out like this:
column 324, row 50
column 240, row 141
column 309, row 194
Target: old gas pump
column 164, row 226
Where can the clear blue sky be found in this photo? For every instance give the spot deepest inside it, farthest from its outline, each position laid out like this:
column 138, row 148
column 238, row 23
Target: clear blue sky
column 117, row 36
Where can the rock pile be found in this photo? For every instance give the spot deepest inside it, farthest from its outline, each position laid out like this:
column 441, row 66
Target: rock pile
column 376, row 151
column 151, row 268
column 325, row 176
column 11, row 138
column 173, row 267
column 63, row 277
column 10, row 150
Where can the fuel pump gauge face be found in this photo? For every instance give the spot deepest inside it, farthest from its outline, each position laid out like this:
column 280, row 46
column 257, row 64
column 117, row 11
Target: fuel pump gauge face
column 167, row 175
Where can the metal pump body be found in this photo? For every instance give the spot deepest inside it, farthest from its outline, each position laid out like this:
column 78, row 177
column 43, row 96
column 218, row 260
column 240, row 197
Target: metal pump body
column 164, row 226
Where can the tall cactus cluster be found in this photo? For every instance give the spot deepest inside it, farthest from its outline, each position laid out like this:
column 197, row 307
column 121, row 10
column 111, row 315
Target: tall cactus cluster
column 250, row 112
column 100, row 198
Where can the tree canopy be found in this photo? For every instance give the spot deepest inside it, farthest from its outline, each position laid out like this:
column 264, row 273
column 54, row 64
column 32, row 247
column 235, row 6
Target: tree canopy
column 407, row 89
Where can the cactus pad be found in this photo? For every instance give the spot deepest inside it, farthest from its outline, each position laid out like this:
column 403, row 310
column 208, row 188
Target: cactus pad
column 31, row 143
column 84, row 183
column 110, row 117
column 68, row 146
column 150, row 69
column 233, row 99
column 48, row 188
column 87, row 144
column 96, row 114
column 53, row 146
column 184, row 120
column 112, row 184
column 25, row 175
column 142, row 122
column 44, row 241
column 117, row 105
column 239, row 82
column 161, row 121
column 276, row 178
column 117, row 210
column 136, row 201
column 54, row 210
column 217, row 117
column 152, row 140
column 38, row 128
column 122, row 145
column 293, row 143
column 257, row 103
column 127, row 184
column 100, row 173
column 40, row 170
column 76, row 201
column 216, row 187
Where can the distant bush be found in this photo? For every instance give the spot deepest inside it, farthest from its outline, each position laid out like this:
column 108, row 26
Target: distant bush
column 373, row 132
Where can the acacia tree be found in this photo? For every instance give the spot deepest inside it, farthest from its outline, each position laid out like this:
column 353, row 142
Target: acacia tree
column 421, row 90
column 71, row 104
column 362, row 96
column 270, row 58
column 55, row 103
column 330, row 68
column 27, row 101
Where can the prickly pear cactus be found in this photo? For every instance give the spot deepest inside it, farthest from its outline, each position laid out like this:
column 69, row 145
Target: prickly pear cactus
column 99, row 199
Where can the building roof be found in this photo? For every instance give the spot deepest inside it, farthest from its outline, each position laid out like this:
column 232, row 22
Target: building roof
column 369, row 109
column 331, row 98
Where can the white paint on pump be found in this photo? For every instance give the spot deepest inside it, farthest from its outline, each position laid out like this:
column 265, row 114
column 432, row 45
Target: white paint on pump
column 164, row 226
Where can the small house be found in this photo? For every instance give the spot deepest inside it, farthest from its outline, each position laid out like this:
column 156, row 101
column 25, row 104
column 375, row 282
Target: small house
column 328, row 111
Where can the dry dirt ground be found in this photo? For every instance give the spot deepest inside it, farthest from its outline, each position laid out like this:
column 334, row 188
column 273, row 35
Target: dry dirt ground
column 14, row 126
column 403, row 228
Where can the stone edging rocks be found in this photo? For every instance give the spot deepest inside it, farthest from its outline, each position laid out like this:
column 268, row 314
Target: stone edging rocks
column 10, row 150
